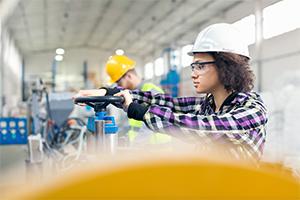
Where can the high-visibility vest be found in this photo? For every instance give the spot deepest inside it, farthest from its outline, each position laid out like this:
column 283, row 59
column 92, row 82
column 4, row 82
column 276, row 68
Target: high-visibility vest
column 135, row 125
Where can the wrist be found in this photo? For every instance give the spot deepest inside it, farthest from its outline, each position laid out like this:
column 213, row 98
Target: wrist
column 136, row 111
column 111, row 91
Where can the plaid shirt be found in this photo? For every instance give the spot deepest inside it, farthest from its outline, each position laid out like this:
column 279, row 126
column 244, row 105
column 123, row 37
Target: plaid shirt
column 240, row 122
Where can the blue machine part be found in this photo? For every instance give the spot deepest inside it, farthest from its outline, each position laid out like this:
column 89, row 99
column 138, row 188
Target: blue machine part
column 171, row 82
column 110, row 123
column 88, row 108
column 13, row 131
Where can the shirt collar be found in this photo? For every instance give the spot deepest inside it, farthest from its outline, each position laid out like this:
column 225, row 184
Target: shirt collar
column 227, row 102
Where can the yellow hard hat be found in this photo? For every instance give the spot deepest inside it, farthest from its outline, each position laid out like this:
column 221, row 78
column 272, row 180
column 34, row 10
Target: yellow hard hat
column 117, row 66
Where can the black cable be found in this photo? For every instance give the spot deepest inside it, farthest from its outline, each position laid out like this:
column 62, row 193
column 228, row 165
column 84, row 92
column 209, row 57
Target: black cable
column 48, row 105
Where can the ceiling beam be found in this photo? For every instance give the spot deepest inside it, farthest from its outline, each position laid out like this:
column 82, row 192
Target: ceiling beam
column 196, row 27
column 45, row 7
column 138, row 20
column 116, row 22
column 182, row 21
column 6, row 9
column 98, row 21
column 26, row 24
column 200, row 24
column 67, row 8
column 74, row 47
column 157, row 22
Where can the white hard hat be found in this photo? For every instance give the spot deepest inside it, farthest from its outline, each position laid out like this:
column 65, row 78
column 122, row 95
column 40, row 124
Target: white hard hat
column 220, row 38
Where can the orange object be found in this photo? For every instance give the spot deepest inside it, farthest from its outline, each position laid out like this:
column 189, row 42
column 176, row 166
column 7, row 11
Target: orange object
column 71, row 122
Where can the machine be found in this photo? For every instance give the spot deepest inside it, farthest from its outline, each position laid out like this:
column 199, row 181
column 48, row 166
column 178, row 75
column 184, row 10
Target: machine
column 103, row 126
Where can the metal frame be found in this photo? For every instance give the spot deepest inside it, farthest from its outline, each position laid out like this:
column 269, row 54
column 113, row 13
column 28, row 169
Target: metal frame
column 258, row 41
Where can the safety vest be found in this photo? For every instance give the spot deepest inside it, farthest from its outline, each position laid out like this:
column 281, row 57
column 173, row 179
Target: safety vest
column 135, row 125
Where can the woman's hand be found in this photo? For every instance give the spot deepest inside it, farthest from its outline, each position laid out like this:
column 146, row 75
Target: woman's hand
column 127, row 98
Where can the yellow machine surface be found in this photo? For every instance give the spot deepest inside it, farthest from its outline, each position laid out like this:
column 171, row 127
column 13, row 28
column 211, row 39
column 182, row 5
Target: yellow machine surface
column 171, row 178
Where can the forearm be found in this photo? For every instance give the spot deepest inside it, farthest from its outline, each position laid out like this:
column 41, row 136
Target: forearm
column 180, row 104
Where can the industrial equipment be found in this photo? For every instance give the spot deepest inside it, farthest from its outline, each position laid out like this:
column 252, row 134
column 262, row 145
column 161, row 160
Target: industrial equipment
column 103, row 126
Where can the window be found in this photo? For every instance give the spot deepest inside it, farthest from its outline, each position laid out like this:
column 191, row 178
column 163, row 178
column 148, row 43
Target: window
column 246, row 26
column 149, row 70
column 175, row 61
column 186, row 60
column 281, row 17
column 159, row 66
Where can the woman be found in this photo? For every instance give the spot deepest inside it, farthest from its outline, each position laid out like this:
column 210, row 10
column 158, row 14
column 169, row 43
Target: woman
column 229, row 113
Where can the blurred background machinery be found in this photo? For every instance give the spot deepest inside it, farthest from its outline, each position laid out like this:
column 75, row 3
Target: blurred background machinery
column 66, row 43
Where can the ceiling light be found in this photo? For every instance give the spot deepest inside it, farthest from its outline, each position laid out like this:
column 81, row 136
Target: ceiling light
column 60, row 51
column 120, row 52
column 59, row 58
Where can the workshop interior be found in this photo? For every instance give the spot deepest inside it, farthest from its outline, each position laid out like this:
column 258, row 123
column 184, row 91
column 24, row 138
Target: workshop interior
column 109, row 99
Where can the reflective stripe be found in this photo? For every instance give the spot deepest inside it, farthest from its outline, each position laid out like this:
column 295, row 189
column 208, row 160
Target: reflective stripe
column 135, row 123
column 155, row 138
column 151, row 86
column 145, row 87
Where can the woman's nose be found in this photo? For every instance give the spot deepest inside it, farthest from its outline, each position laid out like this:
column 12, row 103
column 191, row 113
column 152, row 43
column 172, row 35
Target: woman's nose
column 193, row 74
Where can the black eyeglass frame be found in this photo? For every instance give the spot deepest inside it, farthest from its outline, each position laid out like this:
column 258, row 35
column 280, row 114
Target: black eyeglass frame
column 200, row 65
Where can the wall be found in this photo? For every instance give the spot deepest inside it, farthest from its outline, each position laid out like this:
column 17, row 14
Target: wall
column 280, row 56
column 69, row 71
column 11, row 69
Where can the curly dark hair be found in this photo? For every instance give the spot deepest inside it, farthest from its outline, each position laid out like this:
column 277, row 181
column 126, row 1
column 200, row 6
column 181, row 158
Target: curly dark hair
column 234, row 71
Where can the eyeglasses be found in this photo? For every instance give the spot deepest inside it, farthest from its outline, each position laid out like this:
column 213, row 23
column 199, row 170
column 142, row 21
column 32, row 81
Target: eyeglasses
column 200, row 66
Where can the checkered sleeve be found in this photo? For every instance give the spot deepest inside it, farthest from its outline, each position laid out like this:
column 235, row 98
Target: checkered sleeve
column 181, row 104
column 244, row 117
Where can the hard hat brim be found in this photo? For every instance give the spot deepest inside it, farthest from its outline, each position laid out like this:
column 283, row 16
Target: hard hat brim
column 191, row 53
column 110, row 81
